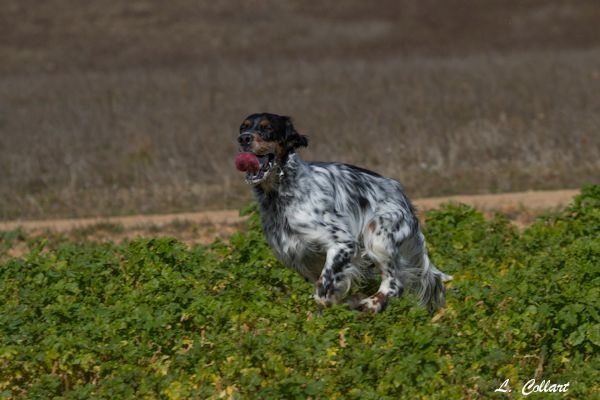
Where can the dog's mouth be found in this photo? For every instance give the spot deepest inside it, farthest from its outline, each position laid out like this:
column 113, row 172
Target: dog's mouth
column 266, row 162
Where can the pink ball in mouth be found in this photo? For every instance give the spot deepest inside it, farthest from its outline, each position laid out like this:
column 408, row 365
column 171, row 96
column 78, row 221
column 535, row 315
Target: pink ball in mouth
column 246, row 161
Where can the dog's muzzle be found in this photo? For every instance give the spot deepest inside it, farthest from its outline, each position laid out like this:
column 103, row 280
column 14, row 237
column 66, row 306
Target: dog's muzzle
column 267, row 163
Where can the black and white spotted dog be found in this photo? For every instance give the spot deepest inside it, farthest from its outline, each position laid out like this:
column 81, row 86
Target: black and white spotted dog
column 336, row 223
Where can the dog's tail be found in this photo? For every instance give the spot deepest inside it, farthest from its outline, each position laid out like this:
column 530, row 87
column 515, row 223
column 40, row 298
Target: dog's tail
column 421, row 277
column 432, row 292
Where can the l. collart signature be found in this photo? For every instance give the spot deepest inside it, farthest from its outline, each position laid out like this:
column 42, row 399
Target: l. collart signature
column 545, row 386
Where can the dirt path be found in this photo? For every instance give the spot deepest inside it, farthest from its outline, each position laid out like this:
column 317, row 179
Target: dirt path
column 204, row 227
column 225, row 217
column 518, row 203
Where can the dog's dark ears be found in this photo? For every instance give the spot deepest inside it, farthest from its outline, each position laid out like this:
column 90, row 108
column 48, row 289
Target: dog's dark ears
column 293, row 139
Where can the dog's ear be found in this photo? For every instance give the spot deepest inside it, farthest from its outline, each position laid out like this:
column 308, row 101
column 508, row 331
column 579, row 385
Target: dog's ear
column 293, row 139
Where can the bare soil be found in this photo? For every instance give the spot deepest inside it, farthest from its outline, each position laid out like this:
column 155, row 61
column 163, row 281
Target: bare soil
column 205, row 227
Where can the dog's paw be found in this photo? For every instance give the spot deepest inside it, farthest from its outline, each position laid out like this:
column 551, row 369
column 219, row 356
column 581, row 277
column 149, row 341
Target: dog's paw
column 328, row 298
column 322, row 301
column 327, row 294
column 373, row 304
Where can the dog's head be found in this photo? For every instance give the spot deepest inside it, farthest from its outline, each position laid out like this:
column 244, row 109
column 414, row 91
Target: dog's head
column 272, row 138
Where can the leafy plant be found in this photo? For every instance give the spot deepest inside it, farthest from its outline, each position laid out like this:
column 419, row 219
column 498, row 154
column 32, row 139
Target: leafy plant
column 151, row 318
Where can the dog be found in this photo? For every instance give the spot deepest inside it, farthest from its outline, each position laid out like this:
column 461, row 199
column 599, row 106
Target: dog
column 336, row 224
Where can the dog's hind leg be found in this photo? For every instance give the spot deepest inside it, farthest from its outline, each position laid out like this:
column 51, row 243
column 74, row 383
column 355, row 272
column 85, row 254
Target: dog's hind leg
column 398, row 247
column 390, row 287
column 381, row 236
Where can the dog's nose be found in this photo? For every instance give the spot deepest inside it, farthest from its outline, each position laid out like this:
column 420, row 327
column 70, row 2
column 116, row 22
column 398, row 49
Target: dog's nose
column 245, row 139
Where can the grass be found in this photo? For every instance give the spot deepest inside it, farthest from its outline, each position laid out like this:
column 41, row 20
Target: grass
column 152, row 318
column 136, row 110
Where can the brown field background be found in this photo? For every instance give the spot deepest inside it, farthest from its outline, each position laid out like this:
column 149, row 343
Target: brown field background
column 110, row 107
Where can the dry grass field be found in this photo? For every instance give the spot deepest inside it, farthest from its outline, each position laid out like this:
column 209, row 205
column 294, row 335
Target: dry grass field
column 113, row 107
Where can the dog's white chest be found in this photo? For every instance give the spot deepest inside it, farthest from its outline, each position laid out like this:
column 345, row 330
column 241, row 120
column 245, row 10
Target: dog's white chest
column 296, row 248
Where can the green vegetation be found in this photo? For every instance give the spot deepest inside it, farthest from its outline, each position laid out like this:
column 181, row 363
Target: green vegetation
column 151, row 318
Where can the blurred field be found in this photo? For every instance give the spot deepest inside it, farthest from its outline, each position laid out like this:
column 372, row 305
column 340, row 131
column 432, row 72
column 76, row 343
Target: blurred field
column 133, row 107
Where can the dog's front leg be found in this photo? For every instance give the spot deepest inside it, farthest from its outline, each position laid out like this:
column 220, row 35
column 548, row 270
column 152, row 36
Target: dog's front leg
column 334, row 282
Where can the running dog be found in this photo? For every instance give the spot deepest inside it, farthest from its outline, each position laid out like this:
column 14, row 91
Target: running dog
column 335, row 223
